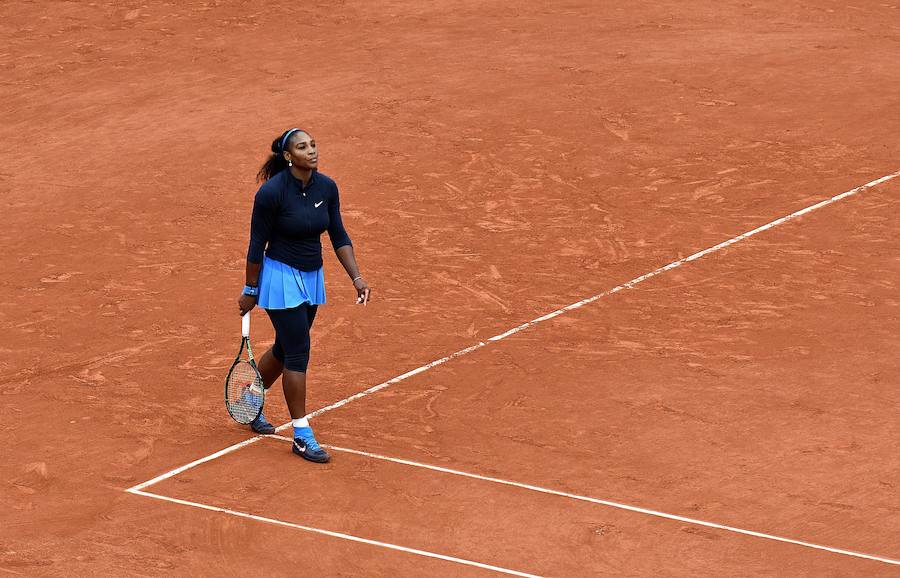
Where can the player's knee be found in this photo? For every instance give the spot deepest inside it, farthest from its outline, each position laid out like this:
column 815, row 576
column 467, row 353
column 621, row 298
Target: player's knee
column 278, row 352
column 297, row 362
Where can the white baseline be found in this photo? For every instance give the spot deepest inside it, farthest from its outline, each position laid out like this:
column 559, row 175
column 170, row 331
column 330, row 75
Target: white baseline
column 612, row 504
column 333, row 534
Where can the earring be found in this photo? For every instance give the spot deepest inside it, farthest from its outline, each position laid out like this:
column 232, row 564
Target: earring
column 290, row 163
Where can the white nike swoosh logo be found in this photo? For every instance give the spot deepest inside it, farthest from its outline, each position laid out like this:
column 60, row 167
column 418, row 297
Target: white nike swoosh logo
column 319, row 203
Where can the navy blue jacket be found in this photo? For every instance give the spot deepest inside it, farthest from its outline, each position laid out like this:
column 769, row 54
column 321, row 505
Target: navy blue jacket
column 290, row 219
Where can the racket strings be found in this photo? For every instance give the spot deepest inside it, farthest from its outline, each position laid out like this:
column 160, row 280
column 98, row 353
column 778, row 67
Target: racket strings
column 244, row 391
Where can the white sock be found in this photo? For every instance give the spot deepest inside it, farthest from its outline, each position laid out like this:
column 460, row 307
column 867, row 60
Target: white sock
column 300, row 422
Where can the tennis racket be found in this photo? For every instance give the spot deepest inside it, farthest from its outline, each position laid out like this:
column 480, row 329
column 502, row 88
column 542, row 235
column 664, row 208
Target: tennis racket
column 244, row 390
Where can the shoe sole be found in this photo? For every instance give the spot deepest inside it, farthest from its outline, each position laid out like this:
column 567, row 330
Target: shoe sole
column 265, row 431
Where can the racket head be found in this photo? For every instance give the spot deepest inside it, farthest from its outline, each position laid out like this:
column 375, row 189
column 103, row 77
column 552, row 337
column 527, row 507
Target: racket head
column 244, row 392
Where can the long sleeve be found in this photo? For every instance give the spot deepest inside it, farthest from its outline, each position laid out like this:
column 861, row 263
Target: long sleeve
column 261, row 224
column 336, row 231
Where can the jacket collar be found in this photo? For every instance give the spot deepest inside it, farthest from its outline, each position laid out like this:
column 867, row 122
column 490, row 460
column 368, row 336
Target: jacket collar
column 289, row 177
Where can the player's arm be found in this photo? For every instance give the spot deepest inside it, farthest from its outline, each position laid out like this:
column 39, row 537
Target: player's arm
column 343, row 248
column 261, row 225
column 252, row 274
column 348, row 260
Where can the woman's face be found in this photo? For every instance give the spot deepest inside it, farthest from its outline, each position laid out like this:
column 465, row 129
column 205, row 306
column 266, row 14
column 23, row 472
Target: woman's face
column 301, row 151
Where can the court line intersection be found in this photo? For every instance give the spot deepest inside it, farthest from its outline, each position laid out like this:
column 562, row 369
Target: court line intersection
column 140, row 489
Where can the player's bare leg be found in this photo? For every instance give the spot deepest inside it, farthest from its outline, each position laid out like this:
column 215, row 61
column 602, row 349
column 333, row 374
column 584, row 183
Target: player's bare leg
column 269, row 368
column 305, row 445
column 294, row 385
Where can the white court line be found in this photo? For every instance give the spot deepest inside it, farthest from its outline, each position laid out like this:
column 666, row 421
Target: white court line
column 139, row 487
column 551, row 315
column 332, row 534
column 583, row 302
column 612, row 504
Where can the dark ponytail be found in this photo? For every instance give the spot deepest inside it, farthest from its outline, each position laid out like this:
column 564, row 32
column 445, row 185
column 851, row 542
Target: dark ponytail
column 275, row 163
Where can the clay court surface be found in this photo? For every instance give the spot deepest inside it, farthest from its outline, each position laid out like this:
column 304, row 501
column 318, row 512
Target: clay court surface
column 497, row 161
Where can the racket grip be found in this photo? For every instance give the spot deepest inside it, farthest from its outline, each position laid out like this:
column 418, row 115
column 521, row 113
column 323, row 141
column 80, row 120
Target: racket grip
column 245, row 324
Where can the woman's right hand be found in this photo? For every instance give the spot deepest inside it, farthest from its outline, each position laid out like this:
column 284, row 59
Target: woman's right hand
column 246, row 303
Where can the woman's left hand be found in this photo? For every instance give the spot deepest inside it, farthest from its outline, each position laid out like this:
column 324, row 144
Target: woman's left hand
column 363, row 293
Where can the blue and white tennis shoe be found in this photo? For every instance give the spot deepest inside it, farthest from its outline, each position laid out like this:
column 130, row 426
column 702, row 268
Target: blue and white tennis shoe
column 262, row 426
column 306, row 446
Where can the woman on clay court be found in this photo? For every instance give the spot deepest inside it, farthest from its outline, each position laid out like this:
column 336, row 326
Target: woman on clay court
column 292, row 208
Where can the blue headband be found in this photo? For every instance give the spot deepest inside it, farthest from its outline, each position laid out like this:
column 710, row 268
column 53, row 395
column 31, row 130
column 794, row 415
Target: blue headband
column 286, row 136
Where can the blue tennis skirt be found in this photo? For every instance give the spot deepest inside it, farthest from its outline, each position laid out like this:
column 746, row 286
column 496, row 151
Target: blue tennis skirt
column 283, row 287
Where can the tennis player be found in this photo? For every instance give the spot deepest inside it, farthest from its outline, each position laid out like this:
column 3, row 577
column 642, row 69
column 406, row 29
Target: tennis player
column 293, row 207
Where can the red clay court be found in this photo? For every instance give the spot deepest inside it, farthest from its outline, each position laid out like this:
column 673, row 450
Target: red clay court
column 635, row 269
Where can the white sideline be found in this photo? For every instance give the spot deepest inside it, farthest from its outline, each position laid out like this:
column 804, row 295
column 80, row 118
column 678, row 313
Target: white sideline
column 612, row 504
column 583, row 302
column 332, row 534
column 137, row 489
column 479, row 345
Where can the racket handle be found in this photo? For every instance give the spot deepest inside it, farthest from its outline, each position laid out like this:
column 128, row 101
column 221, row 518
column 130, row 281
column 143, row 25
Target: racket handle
column 245, row 324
